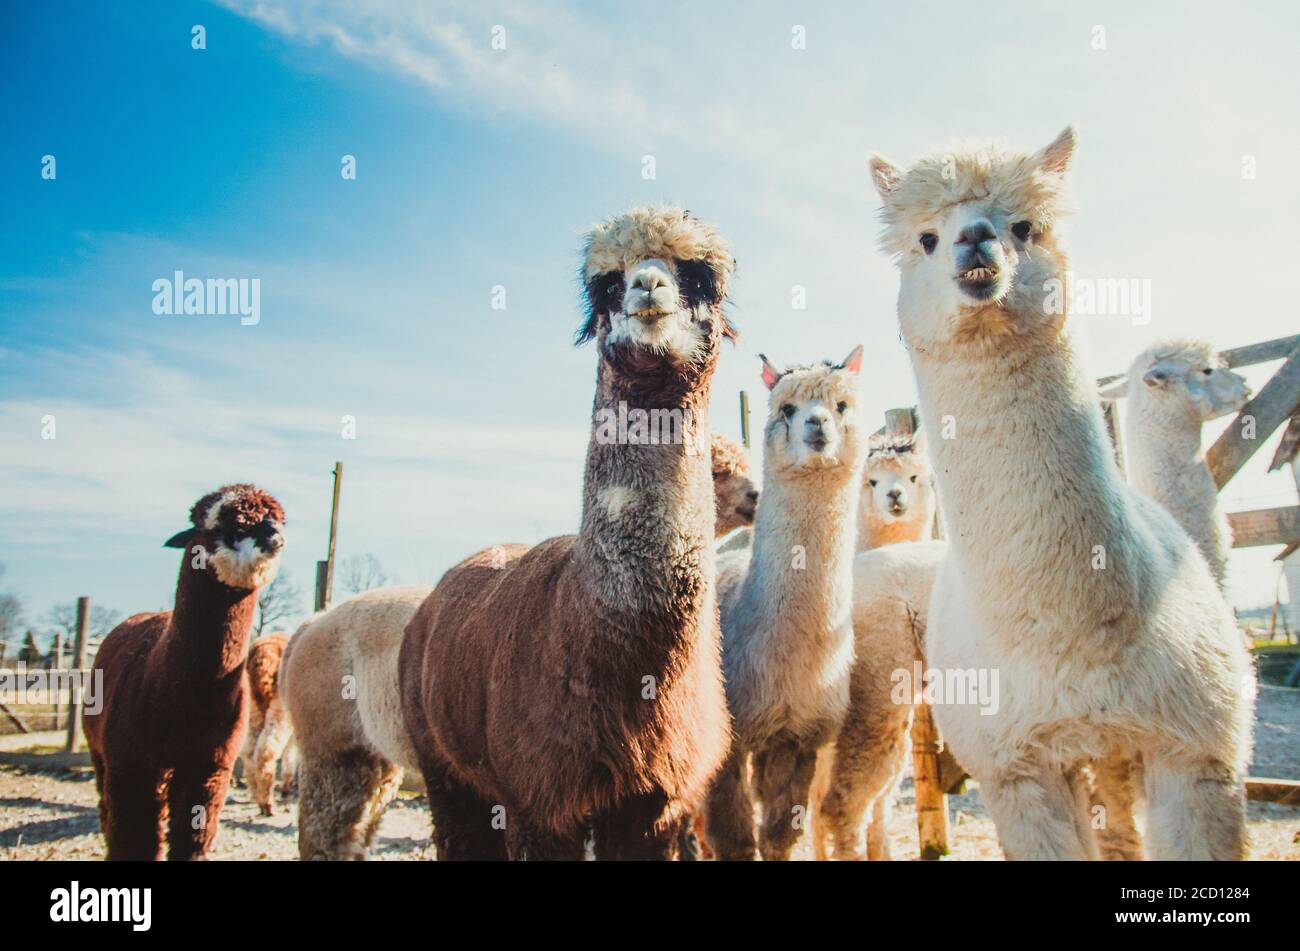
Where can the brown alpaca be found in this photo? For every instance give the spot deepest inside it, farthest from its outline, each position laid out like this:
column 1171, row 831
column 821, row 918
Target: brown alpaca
column 269, row 729
column 353, row 742
column 734, row 497
column 174, row 693
column 577, row 685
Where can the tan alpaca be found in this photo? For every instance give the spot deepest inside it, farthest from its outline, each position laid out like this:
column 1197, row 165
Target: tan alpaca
column 1100, row 618
column 734, row 495
column 897, row 492
column 269, row 729
column 892, row 578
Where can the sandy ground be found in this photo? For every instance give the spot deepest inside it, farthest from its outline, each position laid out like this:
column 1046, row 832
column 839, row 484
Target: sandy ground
column 50, row 812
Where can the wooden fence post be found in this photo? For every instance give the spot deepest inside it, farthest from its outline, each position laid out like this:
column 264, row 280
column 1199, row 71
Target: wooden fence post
column 58, row 665
column 78, row 665
column 744, row 418
column 931, row 803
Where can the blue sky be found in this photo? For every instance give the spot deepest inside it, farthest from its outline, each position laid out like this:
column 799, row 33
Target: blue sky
column 479, row 167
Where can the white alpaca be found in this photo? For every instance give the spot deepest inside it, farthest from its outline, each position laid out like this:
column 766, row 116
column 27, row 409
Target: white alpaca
column 1173, row 388
column 897, row 492
column 786, row 607
column 1089, row 601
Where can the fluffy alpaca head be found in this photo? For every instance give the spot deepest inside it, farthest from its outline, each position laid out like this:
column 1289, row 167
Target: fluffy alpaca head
column 897, row 484
column 1187, row 377
column 972, row 230
column 655, row 280
column 813, row 422
column 734, row 494
column 240, row 529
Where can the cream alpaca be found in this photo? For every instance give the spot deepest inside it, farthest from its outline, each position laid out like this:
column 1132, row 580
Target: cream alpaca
column 786, row 609
column 1109, row 635
column 859, row 776
column 1173, row 388
column 897, row 492
column 338, row 680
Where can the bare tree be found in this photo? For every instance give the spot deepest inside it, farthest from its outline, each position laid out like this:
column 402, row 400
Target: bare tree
column 11, row 613
column 62, row 618
column 277, row 601
column 361, row 573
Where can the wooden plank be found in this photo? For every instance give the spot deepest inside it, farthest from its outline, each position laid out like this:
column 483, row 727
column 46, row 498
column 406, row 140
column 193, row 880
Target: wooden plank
column 1254, row 353
column 1284, row 792
column 1280, row 526
column 18, row 721
column 1286, row 448
column 931, row 803
column 1277, row 400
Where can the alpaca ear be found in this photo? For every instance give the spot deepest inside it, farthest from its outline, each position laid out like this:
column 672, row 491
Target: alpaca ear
column 1056, row 157
column 770, row 373
column 885, row 175
column 1115, row 389
column 182, row 539
column 853, row 362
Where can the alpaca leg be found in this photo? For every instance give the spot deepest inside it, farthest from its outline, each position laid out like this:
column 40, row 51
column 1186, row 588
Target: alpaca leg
column 526, row 842
column 1078, row 781
column 256, row 721
column 132, row 811
column 783, row 773
column 466, row 827
column 390, row 782
column 195, row 796
column 729, row 811
column 289, row 770
column 340, row 798
column 1034, row 815
column 639, row 829
column 1195, row 810
column 869, row 758
column 878, row 831
column 821, row 784
column 1113, row 802
column 271, row 742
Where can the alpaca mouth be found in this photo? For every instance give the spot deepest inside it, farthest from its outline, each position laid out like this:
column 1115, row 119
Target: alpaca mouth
column 817, row 443
column 745, row 513
column 898, row 510
column 979, row 281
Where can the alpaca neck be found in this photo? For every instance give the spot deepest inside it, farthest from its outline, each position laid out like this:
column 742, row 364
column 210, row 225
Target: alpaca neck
column 210, row 625
column 875, row 532
column 647, row 511
column 800, row 575
column 1028, row 485
column 1165, row 462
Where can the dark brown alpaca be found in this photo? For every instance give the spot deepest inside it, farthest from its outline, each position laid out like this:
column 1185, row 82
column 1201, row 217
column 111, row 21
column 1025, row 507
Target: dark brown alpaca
column 174, row 691
column 576, row 686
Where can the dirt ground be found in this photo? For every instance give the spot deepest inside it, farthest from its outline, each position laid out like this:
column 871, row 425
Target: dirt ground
column 50, row 812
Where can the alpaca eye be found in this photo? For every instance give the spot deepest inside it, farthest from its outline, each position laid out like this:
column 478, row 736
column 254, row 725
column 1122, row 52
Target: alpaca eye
column 840, row 407
column 1208, row 370
column 873, row 482
column 913, row 478
column 787, row 410
column 929, row 241
column 1022, row 230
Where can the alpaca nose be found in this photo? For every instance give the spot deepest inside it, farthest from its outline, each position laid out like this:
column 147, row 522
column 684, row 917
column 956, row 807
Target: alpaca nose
column 895, row 494
column 818, row 418
column 977, row 232
column 649, row 279
column 752, row 495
